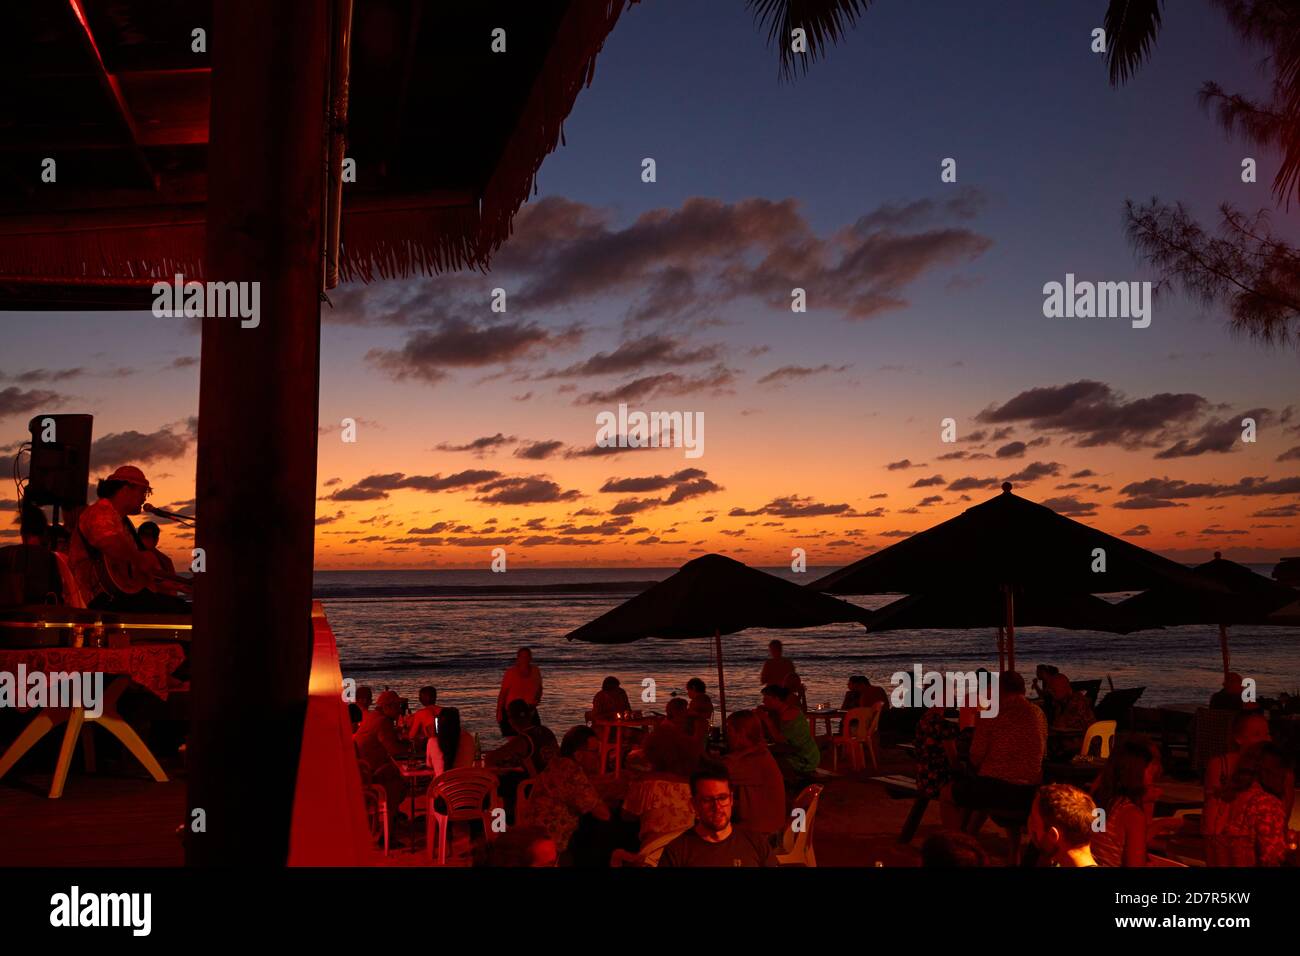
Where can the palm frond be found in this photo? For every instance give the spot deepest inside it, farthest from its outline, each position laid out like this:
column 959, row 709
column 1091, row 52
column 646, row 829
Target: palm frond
column 825, row 22
column 1131, row 27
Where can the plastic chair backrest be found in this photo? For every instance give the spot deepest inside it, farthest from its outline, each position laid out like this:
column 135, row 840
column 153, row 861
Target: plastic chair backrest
column 1103, row 730
column 654, row 848
column 861, row 722
column 465, row 792
column 793, row 841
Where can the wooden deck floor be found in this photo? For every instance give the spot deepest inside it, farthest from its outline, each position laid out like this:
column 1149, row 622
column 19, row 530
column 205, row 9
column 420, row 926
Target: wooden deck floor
column 101, row 820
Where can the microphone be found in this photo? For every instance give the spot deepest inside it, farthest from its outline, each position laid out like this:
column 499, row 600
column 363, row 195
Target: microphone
column 167, row 514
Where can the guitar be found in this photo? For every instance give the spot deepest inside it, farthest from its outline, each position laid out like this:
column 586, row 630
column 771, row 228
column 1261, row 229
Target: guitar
column 125, row 578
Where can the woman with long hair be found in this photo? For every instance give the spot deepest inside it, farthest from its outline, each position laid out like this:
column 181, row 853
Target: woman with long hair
column 1122, row 794
column 451, row 746
column 757, row 785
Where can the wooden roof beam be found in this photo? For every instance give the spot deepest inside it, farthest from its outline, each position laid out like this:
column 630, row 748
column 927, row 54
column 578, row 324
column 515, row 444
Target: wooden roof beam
column 113, row 91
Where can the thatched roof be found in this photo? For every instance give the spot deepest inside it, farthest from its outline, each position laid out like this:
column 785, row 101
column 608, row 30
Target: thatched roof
column 447, row 137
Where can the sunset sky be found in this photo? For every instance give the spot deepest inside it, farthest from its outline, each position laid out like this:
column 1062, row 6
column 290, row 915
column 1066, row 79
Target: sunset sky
column 822, row 430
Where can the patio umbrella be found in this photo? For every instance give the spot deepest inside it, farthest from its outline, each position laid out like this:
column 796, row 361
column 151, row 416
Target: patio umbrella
column 1243, row 597
column 1012, row 546
column 1288, row 616
column 711, row 596
column 987, row 608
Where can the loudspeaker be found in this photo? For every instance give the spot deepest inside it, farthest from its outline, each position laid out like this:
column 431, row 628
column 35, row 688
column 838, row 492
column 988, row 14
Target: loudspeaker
column 60, row 466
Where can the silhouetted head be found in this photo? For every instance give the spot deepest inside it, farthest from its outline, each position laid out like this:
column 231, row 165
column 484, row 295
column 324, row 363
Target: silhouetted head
column 610, row 684
column 428, row 696
column 519, row 715
column 1250, row 727
column 775, row 697
column 35, row 526
column 775, row 649
column 1058, row 687
column 743, row 730
column 1266, row 764
column 1011, row 684
column 127, row 488
column 389, row 704
column 1130, row 771
column 149, row 533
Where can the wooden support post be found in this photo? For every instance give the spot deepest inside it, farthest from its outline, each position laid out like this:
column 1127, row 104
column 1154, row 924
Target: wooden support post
column 256, row 482
column 1011, row 627
column 722, row 686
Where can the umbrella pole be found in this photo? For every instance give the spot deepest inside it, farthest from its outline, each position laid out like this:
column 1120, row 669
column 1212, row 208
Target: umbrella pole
column 1223, row 647
column 1011, row 628
column 722, row 684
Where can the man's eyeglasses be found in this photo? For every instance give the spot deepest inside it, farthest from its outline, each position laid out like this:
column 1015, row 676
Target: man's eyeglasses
column 720, row 801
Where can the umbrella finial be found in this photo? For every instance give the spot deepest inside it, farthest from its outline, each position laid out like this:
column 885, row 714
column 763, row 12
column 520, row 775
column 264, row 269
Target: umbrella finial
column 1006, row 487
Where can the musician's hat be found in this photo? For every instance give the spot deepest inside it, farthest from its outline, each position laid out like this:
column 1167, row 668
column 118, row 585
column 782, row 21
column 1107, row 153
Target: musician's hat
column 131, row 475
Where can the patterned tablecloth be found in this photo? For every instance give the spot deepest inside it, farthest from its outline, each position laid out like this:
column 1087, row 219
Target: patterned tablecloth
column 149, row 665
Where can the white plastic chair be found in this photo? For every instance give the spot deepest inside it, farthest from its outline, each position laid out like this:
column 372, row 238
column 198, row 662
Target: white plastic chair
column 467, row 794
column 376, row 802
column 1103, row 730
column 797, row 846
column 859, row 729
column 649, row 853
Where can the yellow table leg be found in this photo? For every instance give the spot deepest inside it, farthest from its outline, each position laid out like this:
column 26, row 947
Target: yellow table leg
column 70, row 736
column 112, row 721
column 39, row 726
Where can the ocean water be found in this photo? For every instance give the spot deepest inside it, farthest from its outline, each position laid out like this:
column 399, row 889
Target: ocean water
column 405, row 629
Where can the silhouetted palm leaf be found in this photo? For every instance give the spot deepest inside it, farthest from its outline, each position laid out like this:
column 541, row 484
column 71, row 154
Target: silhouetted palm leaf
column 823, row 21
column 1275, row 25
column 1131, row 27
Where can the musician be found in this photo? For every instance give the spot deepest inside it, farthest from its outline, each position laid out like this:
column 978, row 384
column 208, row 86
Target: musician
column 105, row 532
column 149, row 533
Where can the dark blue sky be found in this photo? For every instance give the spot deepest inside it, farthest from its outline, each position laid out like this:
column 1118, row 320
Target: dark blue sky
column 1010, row 89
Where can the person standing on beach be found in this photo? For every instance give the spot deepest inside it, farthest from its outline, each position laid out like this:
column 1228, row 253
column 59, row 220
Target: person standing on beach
column 777, row 669
column 522, row 681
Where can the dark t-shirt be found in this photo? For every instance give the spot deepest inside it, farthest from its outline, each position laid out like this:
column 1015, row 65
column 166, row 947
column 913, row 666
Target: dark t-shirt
column 742, row 848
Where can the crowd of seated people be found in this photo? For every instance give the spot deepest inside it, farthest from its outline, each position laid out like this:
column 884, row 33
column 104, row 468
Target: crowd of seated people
column 731, row 808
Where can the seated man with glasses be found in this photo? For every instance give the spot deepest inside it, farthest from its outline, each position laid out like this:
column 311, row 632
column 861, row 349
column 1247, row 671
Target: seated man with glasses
column 713, row 841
